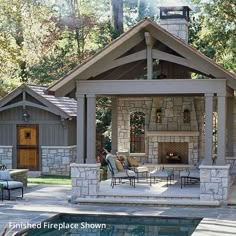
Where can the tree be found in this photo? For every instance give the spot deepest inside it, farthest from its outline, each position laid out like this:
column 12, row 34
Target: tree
column 117, row 16
column 216, row 30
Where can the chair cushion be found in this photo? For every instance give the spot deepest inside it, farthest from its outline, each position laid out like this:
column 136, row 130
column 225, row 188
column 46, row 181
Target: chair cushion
column 194, row 174
column 161, row 173
column 119, row 166
column 5, row 175
column 184, row 173
column 12, row 184
column 141, row 169
column 133, row 162
column 127, row 173
column 112, row 159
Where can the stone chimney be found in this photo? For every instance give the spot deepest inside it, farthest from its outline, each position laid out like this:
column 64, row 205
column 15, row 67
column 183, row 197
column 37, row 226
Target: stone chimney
column 176, row 20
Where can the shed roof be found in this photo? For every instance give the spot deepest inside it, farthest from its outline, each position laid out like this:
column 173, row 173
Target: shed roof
column 66, row 104
column 62, row 106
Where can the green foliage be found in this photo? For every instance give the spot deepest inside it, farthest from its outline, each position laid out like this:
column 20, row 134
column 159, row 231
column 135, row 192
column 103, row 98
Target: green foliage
column 214, row 30
column 137, row 123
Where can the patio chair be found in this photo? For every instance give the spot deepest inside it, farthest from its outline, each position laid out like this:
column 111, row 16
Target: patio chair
column 118, row 173
column 8, row 184
column 190, row 176
column 137, row 167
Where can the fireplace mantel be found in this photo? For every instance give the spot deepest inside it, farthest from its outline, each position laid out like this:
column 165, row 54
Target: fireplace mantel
column 172, row 133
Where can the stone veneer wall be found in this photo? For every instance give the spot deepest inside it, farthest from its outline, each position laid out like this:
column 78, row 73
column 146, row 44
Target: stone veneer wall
column 215, row 183
column 172, row 120
column 178, row 27
column 6, row 156
column 192, row 147
column 125, row 107
column 172, row 114
column 85, row 181
column 57, row 160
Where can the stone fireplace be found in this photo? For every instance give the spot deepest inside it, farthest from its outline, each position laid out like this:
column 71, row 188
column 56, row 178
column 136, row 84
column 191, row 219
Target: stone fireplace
column 173, row 153
column 181, row 143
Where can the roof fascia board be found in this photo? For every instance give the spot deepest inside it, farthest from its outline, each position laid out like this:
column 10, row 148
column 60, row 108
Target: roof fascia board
column 27, row 104
column 11, row 95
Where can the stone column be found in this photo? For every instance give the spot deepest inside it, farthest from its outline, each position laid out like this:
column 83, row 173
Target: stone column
column 114, row 137
column 221, row 130
column 91, row 129
column 85, row 181
column 215, row 183
column 208, row 128
column 80, row 128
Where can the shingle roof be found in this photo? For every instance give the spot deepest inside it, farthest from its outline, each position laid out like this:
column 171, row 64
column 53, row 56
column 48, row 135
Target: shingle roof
column 68, row 105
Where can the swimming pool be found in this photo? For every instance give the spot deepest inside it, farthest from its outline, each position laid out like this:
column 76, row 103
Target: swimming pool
column 112, row 225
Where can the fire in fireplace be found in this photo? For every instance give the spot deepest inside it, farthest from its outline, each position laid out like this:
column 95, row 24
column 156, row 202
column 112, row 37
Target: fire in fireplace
column 172, row 157
column 173, row 152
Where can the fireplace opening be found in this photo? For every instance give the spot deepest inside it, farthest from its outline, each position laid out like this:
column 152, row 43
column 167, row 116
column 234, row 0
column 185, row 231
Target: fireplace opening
column 173, row 153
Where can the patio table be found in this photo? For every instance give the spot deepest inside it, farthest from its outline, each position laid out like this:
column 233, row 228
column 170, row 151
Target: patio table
column 161, row 174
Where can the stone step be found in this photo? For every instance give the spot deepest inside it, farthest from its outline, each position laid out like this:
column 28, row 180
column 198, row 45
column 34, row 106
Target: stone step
column 135, row 201
column 147, row 197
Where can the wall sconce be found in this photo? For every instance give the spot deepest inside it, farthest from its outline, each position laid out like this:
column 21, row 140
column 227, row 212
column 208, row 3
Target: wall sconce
column 186, row 116
column 158, row 115
column 25, row 116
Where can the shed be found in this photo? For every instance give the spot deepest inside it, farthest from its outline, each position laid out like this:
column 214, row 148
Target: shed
column 38, row 131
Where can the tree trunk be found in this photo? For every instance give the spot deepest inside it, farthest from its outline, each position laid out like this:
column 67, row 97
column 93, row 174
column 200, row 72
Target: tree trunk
column 117, row 16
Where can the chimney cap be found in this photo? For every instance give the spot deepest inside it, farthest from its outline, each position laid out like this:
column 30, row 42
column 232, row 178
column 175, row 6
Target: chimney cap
column 175, row 3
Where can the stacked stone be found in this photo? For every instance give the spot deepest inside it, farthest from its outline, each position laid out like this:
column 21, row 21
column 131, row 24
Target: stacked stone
column 192, row 147
column 85, row 180
column 56, row 160
column 178, row 27
column 125, row 107
column 215, row 183
column 6, row 156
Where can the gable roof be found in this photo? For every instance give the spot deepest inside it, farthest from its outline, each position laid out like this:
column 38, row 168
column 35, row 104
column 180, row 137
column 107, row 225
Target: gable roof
column 63, row 106
column 66, row 104
column 158, row 33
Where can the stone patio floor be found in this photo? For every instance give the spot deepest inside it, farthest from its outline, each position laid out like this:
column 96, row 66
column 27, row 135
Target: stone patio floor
column 42, row 201
column 143, row 188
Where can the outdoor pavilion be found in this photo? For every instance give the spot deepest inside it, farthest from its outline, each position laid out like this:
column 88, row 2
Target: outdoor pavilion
column 126, row 68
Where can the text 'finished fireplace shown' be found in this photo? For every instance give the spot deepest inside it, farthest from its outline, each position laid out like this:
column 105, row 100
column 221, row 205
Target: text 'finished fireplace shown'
column 173, row 152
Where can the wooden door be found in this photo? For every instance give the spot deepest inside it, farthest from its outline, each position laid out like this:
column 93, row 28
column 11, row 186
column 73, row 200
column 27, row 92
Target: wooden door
column 27, row 147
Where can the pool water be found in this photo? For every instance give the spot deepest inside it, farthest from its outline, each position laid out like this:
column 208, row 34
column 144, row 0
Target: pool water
column 112, row 225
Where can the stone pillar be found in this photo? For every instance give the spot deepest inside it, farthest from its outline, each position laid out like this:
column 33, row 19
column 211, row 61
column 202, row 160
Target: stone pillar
column 80, row 128
column 114, row 137
column 215, row 183
column 221, row 130
column 85, row 181
column 91, row 129
column 208, row 128
column 6, row 156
